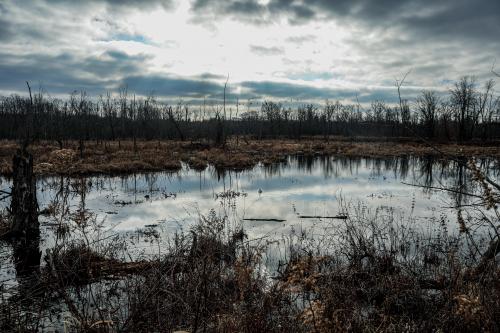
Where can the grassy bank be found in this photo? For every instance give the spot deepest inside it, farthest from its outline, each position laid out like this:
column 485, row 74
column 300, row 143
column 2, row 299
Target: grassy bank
column 113, row 157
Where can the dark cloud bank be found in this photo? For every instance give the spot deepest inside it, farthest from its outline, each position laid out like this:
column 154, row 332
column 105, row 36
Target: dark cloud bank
column 474, row 23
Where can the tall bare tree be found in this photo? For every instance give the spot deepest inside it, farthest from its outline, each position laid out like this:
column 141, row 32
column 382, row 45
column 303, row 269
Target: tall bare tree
column 427, row 106
column 463, row 100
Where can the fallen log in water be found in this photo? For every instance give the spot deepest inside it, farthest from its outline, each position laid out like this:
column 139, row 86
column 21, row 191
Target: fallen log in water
column 338, row 217
column 78, row 265
column 264, row 220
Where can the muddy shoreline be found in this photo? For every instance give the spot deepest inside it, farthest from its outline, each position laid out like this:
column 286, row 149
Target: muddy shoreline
column 120, row 157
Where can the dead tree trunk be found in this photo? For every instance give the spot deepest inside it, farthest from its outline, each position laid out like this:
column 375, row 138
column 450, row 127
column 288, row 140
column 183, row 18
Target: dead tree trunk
column 24, row 205
column 25, row 229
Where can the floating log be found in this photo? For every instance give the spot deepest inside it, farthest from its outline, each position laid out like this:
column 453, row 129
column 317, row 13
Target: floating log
column 338, row 217
column 265, row 220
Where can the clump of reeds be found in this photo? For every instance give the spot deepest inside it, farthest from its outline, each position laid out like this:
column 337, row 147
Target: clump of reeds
column 382, row 275
column 207, row 279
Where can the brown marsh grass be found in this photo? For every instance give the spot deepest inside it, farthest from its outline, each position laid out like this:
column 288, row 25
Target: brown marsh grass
column 113, row 157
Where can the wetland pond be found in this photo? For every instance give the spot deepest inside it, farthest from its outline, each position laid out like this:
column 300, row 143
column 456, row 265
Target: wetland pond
column 305, row 195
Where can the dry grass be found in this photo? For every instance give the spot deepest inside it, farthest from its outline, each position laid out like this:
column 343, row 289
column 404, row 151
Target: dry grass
column 373, row 276
column 208, row 280
column 115, row 157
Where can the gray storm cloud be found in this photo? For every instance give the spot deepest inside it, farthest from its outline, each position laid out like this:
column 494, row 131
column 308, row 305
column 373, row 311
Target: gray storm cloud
column 439, row 41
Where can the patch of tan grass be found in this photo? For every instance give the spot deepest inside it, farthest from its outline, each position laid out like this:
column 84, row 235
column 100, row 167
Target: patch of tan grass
column 122, row 157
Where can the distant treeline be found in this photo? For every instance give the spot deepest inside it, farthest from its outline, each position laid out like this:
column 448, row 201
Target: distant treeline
column 467, row 112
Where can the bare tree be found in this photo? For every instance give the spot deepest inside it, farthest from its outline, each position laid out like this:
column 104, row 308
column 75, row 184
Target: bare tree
column 487, row 104
column 171, row 117
column 403, row 104
column 427, row 106
column 378, row 110
column 463, row 99
column 108, row 108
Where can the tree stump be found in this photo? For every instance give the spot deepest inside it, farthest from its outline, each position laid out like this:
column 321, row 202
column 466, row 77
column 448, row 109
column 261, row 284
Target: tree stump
column 24, row 206
column 25, row 228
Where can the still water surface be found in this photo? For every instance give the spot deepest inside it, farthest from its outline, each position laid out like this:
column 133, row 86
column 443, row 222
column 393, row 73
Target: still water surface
column 303, row 193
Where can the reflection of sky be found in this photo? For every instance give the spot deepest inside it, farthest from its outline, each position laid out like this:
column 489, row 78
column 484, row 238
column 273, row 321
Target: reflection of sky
column 303, row 186
column 314, row 187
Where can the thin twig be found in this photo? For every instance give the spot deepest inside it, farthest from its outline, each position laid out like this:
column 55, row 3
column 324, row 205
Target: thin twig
column 443, row 189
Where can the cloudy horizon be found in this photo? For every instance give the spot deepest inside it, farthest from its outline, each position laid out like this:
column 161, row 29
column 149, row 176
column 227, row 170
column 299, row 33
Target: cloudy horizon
column 267, row 49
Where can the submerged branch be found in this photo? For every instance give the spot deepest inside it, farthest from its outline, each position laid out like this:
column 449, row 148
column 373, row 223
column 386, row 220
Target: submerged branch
column 443, row 189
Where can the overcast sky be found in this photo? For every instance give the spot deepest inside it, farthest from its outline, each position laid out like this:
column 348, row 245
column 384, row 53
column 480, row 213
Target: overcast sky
column 281, row 49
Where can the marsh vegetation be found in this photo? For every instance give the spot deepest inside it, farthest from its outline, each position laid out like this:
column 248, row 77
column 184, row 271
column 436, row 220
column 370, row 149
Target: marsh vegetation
column 129, row 215
column 172, row 251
